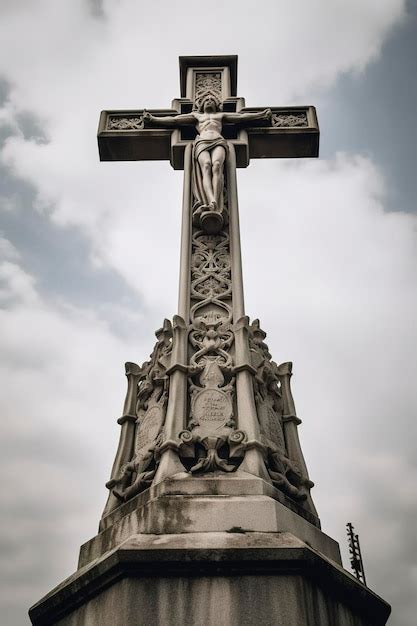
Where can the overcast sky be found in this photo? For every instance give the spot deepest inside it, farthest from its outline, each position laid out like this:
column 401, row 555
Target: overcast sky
column 90, row 253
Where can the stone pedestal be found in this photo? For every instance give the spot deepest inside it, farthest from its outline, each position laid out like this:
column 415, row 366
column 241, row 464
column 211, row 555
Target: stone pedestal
column 214, row 551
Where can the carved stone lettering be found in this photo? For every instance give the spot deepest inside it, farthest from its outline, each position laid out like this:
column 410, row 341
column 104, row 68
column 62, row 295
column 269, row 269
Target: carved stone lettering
column 212, row 409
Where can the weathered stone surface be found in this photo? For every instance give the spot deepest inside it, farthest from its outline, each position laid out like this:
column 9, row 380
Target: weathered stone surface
column 212, row 578
column 236, row 484
column 189, row 505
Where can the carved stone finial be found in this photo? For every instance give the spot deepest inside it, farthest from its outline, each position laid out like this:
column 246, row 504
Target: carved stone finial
column 165, row 331
column 285, row 369
column 132, row 369
column 257, row 330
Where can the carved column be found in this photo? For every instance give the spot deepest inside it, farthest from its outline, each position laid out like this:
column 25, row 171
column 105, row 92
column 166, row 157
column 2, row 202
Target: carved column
column 127, row 431
column 176, row 417
column 291, row 423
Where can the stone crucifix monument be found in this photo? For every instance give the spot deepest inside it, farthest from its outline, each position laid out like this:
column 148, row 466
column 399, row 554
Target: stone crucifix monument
column 209, row 518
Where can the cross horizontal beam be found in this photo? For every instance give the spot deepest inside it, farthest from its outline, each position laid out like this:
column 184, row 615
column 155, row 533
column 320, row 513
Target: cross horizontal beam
column 123, row 136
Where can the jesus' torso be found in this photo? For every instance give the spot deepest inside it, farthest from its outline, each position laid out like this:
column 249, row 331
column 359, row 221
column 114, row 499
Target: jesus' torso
column 209, row 125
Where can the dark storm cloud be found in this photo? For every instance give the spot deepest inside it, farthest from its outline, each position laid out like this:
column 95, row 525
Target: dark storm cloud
column 60, row 257
column 374, row 112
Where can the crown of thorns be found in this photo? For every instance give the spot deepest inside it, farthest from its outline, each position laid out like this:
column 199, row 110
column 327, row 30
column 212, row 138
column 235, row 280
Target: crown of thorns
column 207, row 95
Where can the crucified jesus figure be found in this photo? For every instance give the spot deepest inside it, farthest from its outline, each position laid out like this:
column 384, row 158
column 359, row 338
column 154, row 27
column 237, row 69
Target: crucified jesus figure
column 210, row 147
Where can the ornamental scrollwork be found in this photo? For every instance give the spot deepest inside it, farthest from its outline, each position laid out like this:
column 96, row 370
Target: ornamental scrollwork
column 207, row 82
column 211, row 441
column 210, row 272
column 133, row 122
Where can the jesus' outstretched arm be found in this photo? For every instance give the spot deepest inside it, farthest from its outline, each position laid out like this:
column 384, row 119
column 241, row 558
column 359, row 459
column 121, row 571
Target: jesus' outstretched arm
column 236, row 118
column 169, row 120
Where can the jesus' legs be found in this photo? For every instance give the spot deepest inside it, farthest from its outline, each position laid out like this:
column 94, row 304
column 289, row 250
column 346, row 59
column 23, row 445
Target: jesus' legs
column 217, row 158
column 204, row 161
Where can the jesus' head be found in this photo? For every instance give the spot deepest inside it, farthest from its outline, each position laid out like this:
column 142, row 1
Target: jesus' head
column 209, row 103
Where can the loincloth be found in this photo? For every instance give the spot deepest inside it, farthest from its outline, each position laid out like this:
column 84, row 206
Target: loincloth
column 201, row 145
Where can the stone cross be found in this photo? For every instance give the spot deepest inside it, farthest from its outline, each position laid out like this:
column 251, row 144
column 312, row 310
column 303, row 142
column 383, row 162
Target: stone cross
column 210, row 399
column 209, row 519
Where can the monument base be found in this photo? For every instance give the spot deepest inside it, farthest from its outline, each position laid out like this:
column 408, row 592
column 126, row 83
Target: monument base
column 214, row 503
column 217, row 578
column 215, row 550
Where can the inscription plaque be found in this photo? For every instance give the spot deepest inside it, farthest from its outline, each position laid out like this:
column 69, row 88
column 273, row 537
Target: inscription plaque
column 212, row 409
column 150, row 427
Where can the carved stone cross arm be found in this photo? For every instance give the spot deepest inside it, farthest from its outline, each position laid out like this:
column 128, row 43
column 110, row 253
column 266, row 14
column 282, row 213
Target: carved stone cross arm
column 287, row 133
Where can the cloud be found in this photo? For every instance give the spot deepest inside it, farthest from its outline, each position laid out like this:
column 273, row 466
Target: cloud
column 309, row 44
column 7, row 249
column 62, row 374
column 332, row 275
column 99, row 68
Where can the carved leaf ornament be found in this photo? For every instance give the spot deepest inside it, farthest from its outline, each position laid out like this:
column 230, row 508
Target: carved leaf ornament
column 283, row 120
